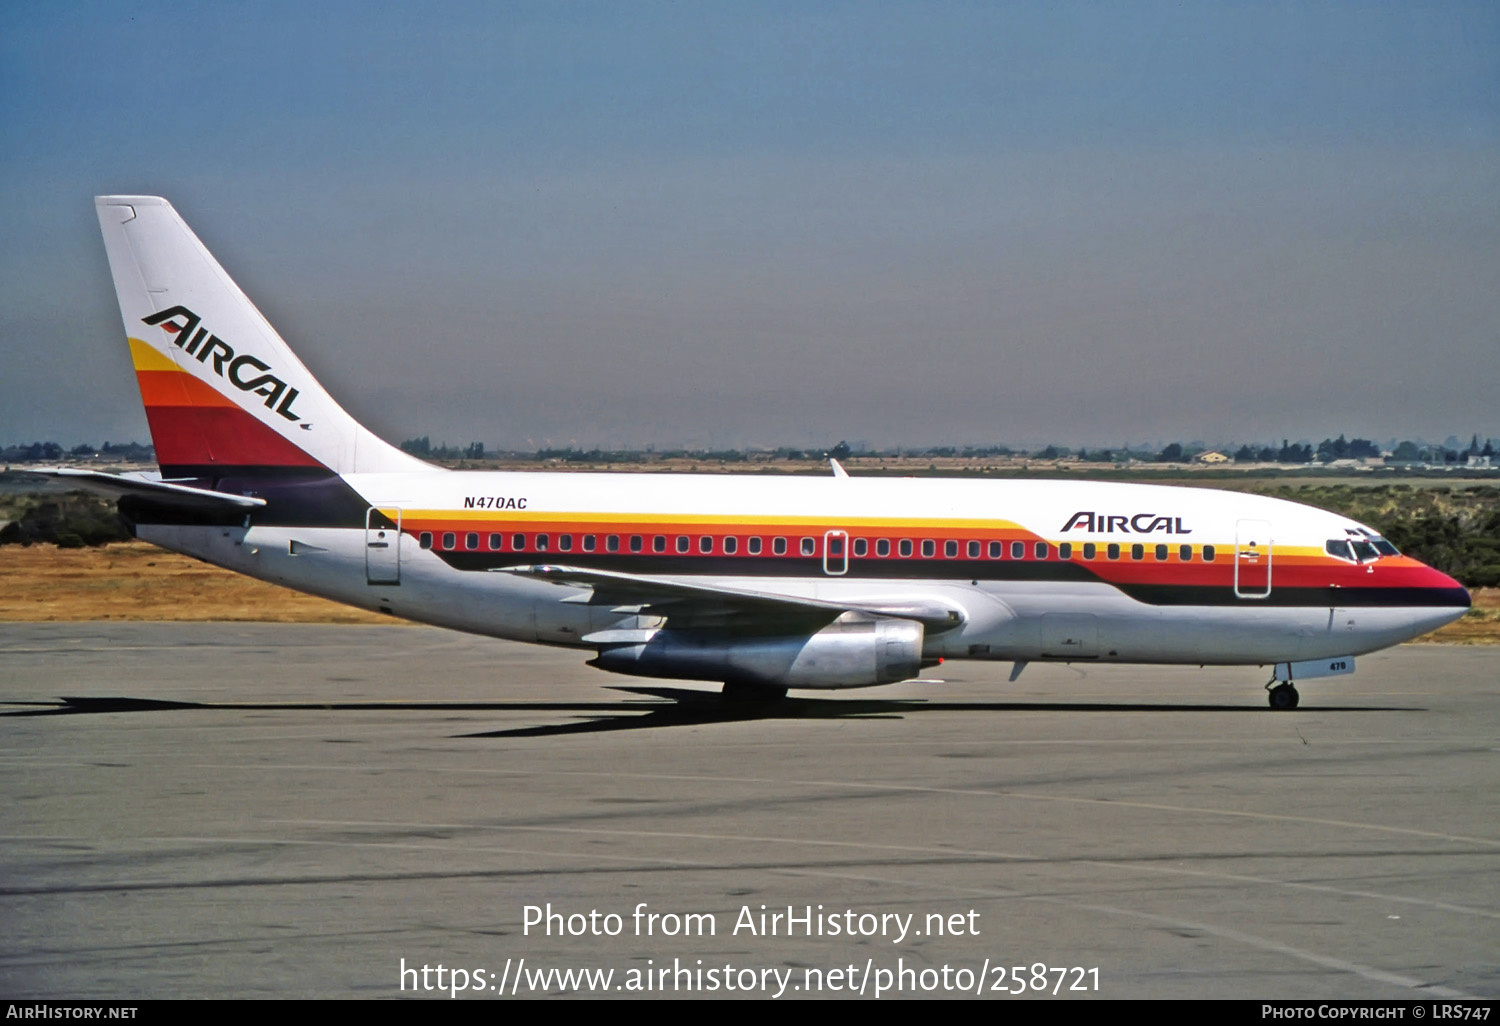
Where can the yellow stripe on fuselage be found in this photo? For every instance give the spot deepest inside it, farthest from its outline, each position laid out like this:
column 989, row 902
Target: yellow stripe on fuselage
column 525, row 519
column 646, row 520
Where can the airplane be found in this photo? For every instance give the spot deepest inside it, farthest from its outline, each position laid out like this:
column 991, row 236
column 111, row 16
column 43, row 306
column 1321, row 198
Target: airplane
column 761, row 583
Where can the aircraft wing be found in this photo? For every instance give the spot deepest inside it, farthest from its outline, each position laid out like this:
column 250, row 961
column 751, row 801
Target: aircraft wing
column 701, row 605
column 159, row 494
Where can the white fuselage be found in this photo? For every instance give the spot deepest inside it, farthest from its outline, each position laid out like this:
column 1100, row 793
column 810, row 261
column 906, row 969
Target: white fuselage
column 1043, row 586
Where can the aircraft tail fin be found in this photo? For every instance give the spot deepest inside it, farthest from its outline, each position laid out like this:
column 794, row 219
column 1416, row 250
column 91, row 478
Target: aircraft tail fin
column 224, row 394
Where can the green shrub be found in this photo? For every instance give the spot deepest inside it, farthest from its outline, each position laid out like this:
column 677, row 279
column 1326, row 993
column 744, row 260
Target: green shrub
column 69, row 521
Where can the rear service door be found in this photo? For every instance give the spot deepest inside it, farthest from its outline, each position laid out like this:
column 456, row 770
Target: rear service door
column 382, row 547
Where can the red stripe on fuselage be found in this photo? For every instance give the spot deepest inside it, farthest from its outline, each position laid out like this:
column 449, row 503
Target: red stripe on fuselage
column 1305, row 571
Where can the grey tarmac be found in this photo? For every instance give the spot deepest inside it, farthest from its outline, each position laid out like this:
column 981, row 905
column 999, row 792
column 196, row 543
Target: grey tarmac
column 255, row 810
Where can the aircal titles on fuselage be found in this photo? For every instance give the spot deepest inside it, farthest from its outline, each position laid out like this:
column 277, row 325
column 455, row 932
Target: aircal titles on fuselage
column 1125, row 523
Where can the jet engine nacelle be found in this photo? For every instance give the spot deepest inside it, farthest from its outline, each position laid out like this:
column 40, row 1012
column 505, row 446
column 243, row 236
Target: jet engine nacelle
column 842, row 655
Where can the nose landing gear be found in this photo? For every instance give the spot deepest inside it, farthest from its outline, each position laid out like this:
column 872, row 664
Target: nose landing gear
column 1282, row 696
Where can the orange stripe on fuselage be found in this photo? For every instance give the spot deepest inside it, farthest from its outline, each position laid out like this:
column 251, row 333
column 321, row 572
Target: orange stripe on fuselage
column 1293, row 566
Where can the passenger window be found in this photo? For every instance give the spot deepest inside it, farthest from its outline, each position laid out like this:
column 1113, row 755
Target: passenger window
column 731, row 545
column 928, row 547
column 1041, row 550
column 541, row 543
column 1017, row 550
column 449, row 539
column 861, row 547
column 471, row 540
column 635, row 543
column 425, row 539
column 682, row 543
column 705, row 544
column 973, row 550
column 565, row 542
column 882, row 546
column 659, row 543
column 809, row 546
column 518, row 542
column 950, row 549
column 1089, row 550
column 997, row 549
column 1137, row 551
column 1065, row 550
column 778, row 546
column 1208, row 553
column 905, row 547
column 495, row 540
column 612, row 543
column 588, row 543
column 1113, row 551
column 1185, row 553
column 754, row 545
column 1161, row 553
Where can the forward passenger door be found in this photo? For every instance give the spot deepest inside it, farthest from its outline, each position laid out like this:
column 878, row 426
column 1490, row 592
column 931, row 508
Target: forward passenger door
column 1252, row 559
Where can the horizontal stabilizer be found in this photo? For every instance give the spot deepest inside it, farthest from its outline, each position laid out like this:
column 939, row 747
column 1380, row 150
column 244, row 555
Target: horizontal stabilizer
column 160, row 494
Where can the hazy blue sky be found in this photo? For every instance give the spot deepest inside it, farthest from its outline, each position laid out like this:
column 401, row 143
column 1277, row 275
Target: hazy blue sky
column 732, row 224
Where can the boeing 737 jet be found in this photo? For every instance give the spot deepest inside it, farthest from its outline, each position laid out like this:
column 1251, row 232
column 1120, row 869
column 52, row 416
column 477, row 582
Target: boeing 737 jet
column 761, row 583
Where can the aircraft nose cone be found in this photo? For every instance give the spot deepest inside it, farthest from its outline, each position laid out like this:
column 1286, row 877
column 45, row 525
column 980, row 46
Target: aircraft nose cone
column 1457, row 591
column 1468, row 599
column 1450, row 600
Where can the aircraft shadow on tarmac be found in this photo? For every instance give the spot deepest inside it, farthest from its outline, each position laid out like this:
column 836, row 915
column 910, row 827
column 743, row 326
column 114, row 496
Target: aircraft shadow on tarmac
column 661, row 707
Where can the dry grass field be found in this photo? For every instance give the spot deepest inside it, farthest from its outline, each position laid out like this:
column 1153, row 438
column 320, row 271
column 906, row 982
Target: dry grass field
column 136, row 581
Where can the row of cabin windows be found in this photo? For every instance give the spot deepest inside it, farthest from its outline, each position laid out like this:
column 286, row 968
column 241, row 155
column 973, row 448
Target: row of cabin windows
column 730, row 545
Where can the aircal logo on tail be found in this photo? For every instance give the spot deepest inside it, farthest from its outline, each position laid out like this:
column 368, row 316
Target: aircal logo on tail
column 1125, row 523
column 184, row 327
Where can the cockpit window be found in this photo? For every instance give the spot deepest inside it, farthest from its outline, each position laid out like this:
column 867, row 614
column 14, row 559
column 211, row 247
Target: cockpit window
column 1383, row 547
column 1364, row 547
column 1340, row 548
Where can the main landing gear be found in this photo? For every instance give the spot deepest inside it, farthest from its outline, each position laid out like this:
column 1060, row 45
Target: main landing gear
column 1282, row 696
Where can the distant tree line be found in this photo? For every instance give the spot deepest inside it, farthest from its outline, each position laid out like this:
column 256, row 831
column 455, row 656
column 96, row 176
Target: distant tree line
column 1328, row 450
column 51, row 452
column 423, row 447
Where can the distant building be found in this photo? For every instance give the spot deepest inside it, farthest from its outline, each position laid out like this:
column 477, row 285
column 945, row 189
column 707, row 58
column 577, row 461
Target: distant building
column 1211, row 457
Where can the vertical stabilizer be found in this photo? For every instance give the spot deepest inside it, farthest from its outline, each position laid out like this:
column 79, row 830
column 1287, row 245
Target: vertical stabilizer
column 224, row 394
